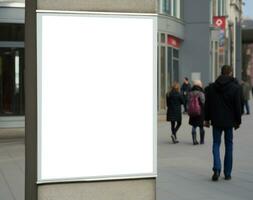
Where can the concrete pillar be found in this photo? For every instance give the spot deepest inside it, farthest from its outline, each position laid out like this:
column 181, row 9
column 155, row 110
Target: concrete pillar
column 135, row 189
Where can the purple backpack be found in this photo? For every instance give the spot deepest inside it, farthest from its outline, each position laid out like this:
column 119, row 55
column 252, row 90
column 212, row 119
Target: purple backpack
column 194, row 108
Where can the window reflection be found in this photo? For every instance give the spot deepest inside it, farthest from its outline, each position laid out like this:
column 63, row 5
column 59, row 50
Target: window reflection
column 11, row 69
column 172, row 7
column 11, row 81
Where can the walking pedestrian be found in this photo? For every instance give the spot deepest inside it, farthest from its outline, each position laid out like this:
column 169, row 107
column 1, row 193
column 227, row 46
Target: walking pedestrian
column 246, row 89
column 174, row 100
column 196, row 103
column 223, row 109
column 185, row 89
column 251, row 78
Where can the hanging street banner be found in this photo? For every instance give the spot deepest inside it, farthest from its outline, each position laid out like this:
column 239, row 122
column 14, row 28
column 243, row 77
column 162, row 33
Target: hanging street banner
column 219, row 22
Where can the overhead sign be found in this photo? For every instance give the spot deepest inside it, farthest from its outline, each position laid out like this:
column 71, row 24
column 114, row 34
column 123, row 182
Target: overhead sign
column 173, row 41
column 219, row 22
column 96, row 98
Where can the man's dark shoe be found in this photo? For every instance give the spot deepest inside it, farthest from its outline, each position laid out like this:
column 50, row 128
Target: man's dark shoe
column 215, row 176
column 227, row 178
column 176, row 140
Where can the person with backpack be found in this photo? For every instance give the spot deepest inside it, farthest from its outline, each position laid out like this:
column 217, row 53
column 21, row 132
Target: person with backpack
column 174, row 100
column 223, row 109
column 196, row 103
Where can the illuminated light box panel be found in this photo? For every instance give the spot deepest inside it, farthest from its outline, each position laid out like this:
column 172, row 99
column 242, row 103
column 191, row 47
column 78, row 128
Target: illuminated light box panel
column 96, row 96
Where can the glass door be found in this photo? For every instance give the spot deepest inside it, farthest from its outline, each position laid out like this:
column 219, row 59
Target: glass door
column 169, row 67
column 162, row 78
column 11, row 81
column 175, row 65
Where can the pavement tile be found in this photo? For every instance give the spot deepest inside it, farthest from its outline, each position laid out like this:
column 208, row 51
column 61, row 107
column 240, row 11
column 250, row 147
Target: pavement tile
column 184, row 170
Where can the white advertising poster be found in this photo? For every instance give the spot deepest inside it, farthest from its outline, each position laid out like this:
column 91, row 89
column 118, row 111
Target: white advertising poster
column 96, row 96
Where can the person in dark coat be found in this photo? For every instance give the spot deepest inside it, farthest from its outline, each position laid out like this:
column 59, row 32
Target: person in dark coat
column 174, row 100
column 185, row 89
column 223, row 109
column 198, row 121
column 246, row 88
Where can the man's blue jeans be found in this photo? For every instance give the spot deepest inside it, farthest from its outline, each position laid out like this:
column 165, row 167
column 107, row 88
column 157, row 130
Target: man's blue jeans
column 246, row 105
column 228, row 160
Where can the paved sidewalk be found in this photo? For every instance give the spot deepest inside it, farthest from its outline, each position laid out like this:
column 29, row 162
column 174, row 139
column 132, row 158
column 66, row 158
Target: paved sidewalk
column 12, row 168
column 184, row 170
column 11, row 133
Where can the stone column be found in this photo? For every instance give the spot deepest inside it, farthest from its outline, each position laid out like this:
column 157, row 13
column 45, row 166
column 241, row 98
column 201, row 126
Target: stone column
column 134, row 189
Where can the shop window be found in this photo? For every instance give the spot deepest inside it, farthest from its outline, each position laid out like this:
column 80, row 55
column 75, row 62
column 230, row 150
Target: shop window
column 162, row 78
column 158, row 79
column 219, row 7
column 175, row 53
column 11, row 32
column 171, row 7
column 166, row 6
column 12, row 81
column 176, row 70
column 12, row 70
column 169, row 66
column 162, row 38
column 172, row 65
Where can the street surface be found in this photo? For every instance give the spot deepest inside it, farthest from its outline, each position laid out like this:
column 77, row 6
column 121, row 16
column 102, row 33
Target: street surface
column 184, row 170
column 12, row 164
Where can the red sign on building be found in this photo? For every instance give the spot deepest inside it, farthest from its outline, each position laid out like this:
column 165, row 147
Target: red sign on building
column 173, row 41
column 219, row 22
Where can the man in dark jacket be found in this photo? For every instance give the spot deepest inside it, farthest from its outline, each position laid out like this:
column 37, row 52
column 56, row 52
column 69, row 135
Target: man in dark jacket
column 185, row 89
column 223, row 109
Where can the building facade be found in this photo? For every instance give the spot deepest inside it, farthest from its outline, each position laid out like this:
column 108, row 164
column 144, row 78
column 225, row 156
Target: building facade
column 203, row 35
column 183, row 48
column 226, row 35
column 195, row 38
column 170, row 38
column 195, row 48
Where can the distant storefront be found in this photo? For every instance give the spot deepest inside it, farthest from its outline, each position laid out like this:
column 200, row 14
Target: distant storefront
column 168, row 65
column 170, row 37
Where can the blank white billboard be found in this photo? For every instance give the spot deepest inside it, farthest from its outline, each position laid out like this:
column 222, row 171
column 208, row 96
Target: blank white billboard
column 96, row 96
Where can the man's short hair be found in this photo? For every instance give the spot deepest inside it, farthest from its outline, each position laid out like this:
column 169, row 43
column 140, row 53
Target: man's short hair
column 226, row 70
column 185, row 78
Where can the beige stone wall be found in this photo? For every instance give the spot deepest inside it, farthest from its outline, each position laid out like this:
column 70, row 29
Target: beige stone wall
column 138, row 6
column 108, row 190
